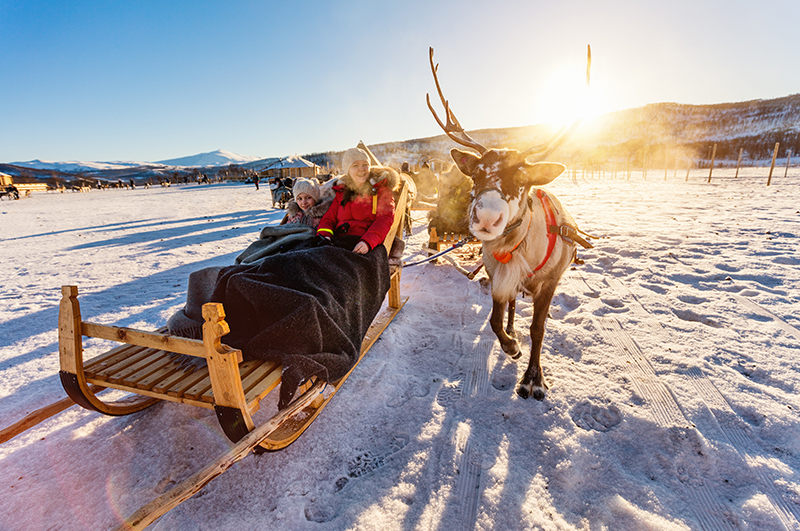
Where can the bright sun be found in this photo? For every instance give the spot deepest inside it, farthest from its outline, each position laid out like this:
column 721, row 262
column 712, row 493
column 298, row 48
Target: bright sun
column 564, row 98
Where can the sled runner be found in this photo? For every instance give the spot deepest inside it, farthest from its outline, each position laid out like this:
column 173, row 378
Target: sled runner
column 155, row 366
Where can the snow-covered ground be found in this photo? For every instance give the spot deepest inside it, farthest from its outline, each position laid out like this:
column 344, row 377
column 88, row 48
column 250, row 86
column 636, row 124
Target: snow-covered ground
column 672, row 356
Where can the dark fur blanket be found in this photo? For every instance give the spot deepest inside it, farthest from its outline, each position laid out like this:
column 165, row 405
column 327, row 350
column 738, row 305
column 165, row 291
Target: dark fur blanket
column 308, row 309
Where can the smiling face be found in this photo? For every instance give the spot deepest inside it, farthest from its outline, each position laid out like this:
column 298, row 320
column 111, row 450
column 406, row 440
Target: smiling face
column 359, row 171
column 304, row 201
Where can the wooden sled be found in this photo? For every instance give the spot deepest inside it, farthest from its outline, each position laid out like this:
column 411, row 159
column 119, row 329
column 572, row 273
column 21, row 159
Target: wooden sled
column 437, row 243
column 155, row 366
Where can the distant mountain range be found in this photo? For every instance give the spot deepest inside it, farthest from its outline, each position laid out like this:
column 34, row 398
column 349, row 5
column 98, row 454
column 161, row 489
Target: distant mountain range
column 219, row 157
column 656, row 132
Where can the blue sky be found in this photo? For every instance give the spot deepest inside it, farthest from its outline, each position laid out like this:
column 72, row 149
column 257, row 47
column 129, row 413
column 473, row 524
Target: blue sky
column 144, row 80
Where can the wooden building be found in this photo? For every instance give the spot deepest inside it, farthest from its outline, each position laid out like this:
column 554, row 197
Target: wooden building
column 293, row 167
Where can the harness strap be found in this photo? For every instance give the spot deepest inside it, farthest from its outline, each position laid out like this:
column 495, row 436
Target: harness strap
column 552, row 228
column 566, row 231
column 570, row 234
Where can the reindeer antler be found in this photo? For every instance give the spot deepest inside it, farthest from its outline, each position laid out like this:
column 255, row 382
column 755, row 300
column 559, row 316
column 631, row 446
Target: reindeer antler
column 453, row 129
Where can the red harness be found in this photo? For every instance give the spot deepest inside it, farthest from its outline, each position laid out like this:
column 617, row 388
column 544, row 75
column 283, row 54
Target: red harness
column 552, row 233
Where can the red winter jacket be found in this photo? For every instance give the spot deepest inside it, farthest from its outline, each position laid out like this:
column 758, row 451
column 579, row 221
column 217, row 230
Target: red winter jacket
column 369, row 216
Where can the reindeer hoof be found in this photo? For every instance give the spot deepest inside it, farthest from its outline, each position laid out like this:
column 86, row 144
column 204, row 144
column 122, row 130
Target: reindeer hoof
column 513, row 350
column 527, row 390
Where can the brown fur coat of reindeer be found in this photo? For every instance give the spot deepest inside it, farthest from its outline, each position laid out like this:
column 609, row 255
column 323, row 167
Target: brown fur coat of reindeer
column 528, row 238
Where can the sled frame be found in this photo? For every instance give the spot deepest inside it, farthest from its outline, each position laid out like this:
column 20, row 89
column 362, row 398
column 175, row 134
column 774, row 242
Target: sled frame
column 154, row 366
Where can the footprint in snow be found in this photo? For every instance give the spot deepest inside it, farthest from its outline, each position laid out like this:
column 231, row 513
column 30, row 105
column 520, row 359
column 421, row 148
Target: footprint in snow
column 505, row 376
column 323, row 508
column 590, row 416
column 691, row 299
column 410, row 389
column 688, row 315
column 451, row 391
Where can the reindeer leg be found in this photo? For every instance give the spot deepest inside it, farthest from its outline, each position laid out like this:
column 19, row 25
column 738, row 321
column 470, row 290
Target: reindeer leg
column 512, row 310
column 509, row 344
column 533, row 382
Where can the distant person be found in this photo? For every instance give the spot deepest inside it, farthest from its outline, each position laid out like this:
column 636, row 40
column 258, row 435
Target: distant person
column 427, row 182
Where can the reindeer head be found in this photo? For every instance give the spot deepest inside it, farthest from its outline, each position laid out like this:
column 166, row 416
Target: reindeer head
column 501, row 178
column 501, row 184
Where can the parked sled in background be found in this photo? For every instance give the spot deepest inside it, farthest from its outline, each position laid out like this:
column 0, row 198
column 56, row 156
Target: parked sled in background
column 283, row 193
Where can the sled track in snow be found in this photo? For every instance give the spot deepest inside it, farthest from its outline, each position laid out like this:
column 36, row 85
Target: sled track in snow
column 467, row 489
column 644, row 378
column 471, row 381
column 783, row 325
column 709, row 512
column 729, row 423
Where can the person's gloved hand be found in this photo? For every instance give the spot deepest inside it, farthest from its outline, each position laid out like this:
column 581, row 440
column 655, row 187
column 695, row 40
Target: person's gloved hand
column 322, row 240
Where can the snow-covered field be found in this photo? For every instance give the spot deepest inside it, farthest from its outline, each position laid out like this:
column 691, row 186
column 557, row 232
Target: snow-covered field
column 672, row 356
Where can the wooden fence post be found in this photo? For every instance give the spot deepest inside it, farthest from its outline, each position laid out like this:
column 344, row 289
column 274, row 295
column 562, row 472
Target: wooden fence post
column 738, row 163
column 788, row 158
column 675, row 165
column 665, row 165
column 644, row 167
column 713, row 156
column 688, row 168
column 772, row 166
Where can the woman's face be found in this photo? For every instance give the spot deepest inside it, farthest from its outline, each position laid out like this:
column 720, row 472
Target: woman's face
column 359, row 171
column 305, row 201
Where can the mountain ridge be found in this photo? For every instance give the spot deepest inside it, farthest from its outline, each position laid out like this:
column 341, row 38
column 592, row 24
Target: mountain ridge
column 657, row 130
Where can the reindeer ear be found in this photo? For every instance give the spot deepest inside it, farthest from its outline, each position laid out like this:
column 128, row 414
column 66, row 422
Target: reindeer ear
column 465, row 161
column 539, row 173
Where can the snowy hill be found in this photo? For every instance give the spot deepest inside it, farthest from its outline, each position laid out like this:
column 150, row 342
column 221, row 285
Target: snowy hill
column 77, row 166
column 671, row 129
column 219, row 157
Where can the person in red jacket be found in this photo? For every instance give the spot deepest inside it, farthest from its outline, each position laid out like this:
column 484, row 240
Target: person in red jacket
column 363, row 210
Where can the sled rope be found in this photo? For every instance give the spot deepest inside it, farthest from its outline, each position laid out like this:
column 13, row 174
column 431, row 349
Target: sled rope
column 455, row 246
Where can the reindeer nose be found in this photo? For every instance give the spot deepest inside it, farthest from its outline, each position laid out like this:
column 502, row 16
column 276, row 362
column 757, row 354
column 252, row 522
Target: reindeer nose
column 487, row 219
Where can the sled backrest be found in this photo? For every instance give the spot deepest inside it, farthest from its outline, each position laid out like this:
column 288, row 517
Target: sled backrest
column 400, row 202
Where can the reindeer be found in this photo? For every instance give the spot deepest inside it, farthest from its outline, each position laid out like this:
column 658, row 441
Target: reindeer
column 528, row 238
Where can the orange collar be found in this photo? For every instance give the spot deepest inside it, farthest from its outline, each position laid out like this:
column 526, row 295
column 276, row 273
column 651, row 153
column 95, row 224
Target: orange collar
column 504, row 257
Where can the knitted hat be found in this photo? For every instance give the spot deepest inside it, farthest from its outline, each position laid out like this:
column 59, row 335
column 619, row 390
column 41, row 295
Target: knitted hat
column 352, row 155
column 306, row 186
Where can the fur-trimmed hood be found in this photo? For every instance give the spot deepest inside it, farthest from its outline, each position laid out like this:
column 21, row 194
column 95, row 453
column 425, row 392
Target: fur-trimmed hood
column 315, row 212
column 376, row 175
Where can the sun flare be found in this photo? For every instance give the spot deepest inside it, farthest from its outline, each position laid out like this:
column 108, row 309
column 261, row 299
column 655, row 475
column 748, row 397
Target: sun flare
column 564, row 98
